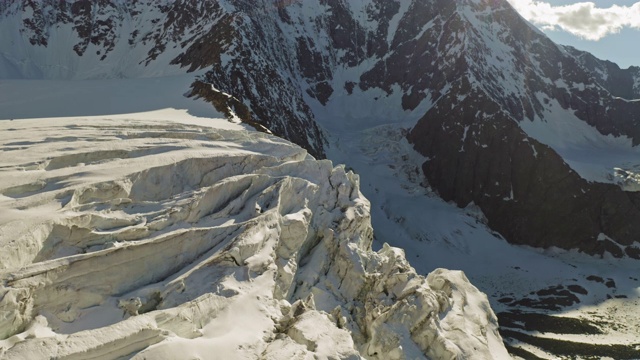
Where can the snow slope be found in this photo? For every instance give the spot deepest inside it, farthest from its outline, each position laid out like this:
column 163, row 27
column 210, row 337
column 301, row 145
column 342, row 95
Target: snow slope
column 162, row 235
column 594, row 156
column 46, row 40
column 160, row 98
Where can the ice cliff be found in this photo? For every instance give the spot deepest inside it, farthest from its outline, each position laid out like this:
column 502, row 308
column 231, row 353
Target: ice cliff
column 148, row 240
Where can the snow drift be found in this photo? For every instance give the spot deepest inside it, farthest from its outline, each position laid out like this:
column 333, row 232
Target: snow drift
column 151, row 240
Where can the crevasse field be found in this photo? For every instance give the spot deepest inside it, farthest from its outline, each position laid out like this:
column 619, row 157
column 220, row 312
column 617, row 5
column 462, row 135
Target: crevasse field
column 138, row 222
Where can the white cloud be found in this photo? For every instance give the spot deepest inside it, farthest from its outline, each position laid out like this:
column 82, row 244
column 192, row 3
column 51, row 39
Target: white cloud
column 583, row 19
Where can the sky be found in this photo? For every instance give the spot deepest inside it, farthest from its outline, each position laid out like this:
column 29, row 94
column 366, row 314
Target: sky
column 608, row 29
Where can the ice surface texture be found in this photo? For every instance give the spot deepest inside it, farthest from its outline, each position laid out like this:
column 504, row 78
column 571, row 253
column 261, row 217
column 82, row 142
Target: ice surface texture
column 135, row 239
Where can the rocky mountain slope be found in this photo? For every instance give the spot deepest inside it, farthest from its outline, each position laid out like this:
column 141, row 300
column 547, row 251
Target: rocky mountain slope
column 485, row 93
column 485, row 88
column 163, row 240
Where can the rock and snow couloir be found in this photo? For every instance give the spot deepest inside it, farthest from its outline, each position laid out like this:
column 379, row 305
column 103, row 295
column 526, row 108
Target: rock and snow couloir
column 132, row 238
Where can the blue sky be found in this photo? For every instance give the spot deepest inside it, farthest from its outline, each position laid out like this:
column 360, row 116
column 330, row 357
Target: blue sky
column 608, row 29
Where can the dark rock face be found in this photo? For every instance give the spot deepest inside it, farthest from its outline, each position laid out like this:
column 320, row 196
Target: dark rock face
column 100, row 22
column 624, row 83
column 265, row 83
column 94, row 22
column 225, row 103
column 478, row 154
column 415, row 51
column 101, row 31
column 43, row 15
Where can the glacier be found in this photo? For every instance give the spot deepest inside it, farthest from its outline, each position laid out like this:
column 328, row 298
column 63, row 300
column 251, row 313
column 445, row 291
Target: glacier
column 144, row 239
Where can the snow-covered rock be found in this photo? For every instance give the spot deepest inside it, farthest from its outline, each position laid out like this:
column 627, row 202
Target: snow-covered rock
column 627, row 179
column 162, row 240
